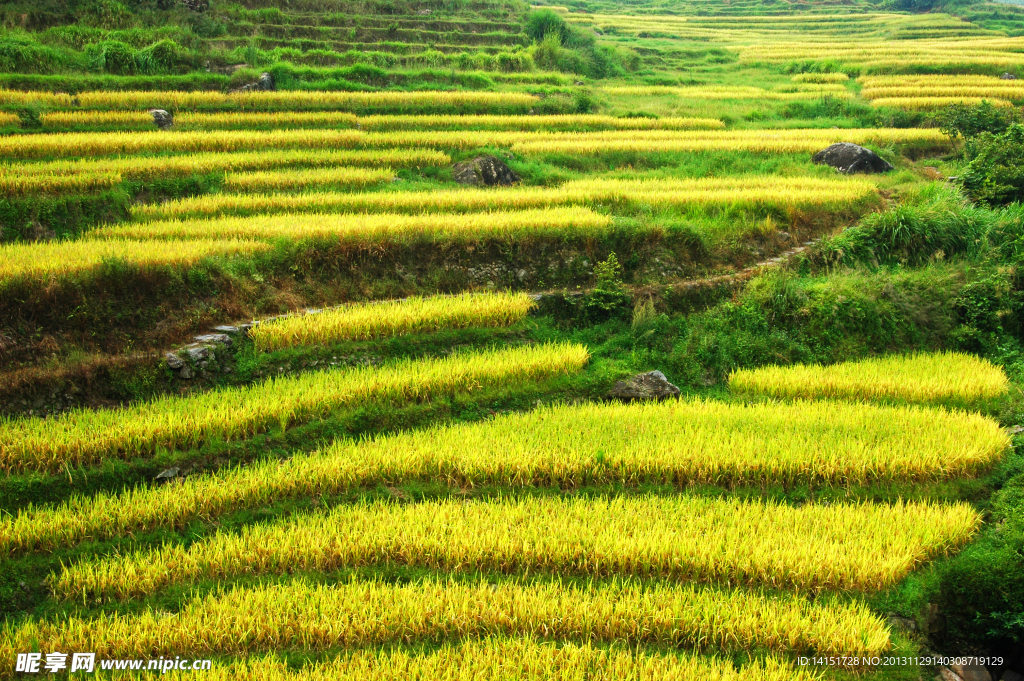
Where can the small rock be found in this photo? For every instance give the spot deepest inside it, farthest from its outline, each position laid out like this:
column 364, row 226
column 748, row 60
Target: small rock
column 204, row 364
column 947, row 675
column 23, row 585
column 423, row 13
column 221, row 338
column 198, row 352
column 521, row 275
column 163, row 119
column 484, row 170
column 971, row 672
column 851, row 158
column 784, row 237
column 1008, row 76
column 186, row 373
column 1015, row 430
column 264, row 84
column 174, row 362
column 226, row 329
column 896, row 622
column 936, row 622
column 168, row 474
column 650, row 386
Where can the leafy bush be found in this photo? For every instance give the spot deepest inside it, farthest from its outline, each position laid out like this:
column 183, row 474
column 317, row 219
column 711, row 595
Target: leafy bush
column 982, row 588
column 967, row 121
column 995, row 175
column 980, row 308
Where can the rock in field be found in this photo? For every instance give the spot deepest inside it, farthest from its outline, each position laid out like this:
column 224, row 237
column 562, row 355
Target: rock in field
column 650, row 386
column 264, row 84
column 168, row 474
column 851, row 158
column 484, row 170
column 1007, row 76
column 971, row 672
column 163, row 119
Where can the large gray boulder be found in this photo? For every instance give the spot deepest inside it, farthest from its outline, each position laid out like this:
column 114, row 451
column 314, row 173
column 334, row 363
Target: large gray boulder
column 163, row 119
column 484, row 170
column 851, row 158
column 650, row 386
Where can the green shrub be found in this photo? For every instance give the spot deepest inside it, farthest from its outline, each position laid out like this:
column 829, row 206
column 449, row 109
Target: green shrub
column 967, row 121
column 995, row 174
column 982, row 588
column 609, row 297
column 22, row 53
column 106, row 14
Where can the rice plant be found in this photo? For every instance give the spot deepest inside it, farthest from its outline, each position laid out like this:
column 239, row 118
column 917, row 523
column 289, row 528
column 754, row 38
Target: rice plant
column 37, row 260
column 300, row 616
column 941, row 378
column 863, row 547
column 374, row 228
column 85, row 436
column 675, row 443
column 392, row 318
column 500, row 659
column 291, row 180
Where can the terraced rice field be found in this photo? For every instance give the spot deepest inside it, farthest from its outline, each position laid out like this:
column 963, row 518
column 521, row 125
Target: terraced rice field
column 90, row 436
column 550, row 448
column 938, row 378
column 391, row 453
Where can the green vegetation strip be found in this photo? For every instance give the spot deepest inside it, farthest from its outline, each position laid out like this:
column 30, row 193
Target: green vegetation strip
column 566, row 446
column 864, row 547
column 303, row 616
column 84, row 437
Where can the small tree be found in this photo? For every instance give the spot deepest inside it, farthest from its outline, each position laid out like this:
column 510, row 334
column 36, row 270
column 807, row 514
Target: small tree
column 967, row 121
column 609, row 296
column 995, row 175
